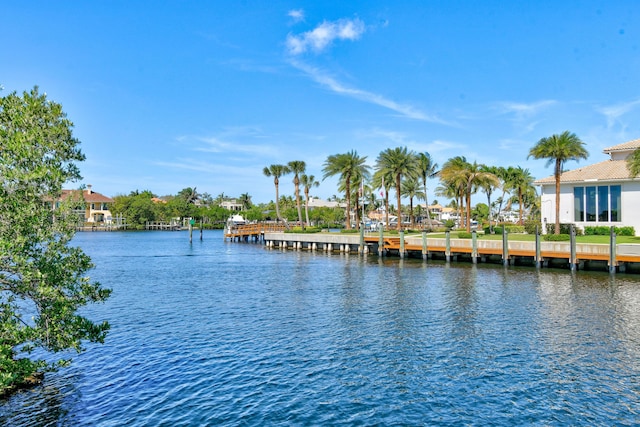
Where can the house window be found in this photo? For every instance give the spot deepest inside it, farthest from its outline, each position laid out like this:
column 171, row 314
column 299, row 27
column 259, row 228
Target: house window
column 597, row 204
column 616, row 202
column 603, row 203
column 578, row 203
column 591, row 203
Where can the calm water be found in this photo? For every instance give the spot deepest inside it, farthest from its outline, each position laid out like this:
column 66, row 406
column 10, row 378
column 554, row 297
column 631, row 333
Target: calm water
column 229, row 333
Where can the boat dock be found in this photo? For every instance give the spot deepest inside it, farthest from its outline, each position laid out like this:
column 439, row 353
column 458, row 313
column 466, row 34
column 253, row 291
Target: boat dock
column 254, row 232
column 575, row 256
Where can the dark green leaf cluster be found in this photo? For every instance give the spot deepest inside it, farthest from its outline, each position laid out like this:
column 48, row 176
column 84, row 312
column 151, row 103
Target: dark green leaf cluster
column 603, row 230
column 43, row 279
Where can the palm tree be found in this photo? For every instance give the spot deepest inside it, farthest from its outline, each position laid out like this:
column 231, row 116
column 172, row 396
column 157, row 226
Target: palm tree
column 469, row 177
column 558, row 149
column 382, row 179
column 428, row 169
column 220, row 198
column 411, row 188
column 245, row 201
column 276, row 171
column 521, row 182
column 453, row 180
column 398, row 162
column 307, row 181
column 358, row 190
column 488, row 187
column 297, row 167
column 189, row 195
column 633, row 163
column 347, row 166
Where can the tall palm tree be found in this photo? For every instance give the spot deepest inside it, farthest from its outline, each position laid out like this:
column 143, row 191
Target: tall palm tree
column 521, row 182
column 276, row 171
column 488, row 187
column 307, row 181
column 558, row 149
column 358, row 190
column 383, row 180
column 469, row 176
column 245, row 201
column 453, row 179
column 398, row 162
column 411, row 188
column 346, row 165
column 428, row 169
column 297, row 167
column 189, row 195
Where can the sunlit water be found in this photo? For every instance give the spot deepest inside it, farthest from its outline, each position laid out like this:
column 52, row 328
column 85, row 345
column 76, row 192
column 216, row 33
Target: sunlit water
column 232, row 333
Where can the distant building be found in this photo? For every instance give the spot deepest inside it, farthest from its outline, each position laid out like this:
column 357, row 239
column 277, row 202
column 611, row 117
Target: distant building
column 96, row 206
column 232, row 205
column 319, row 203
column 602, row 194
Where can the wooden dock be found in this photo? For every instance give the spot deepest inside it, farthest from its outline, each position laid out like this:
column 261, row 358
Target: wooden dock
column 575, row 256
column 161, row 225
column 253, row 232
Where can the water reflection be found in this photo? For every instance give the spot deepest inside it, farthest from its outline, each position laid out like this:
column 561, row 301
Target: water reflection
column 233, row 333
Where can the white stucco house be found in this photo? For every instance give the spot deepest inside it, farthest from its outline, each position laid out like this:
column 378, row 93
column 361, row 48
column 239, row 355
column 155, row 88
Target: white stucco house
column 601, row 194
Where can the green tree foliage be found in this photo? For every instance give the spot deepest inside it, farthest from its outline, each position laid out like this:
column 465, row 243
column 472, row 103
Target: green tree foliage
column 307, row 181
column 43, row 280
column 558, row 149
column 633, row 163
column 297, row 167
column 348, row 166
column 276, row 171
column 137, row 208
column 398, row 162
column 428, row 169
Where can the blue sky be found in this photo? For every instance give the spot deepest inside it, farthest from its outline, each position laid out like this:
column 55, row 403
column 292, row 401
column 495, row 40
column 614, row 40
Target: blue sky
column 174, row 94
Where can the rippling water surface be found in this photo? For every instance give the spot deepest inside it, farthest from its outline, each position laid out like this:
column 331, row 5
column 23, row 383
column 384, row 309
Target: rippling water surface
column 228, row 333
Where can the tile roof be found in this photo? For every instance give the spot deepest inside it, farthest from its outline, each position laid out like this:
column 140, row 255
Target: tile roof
column 92, row 197
column 609, row 170
column 631, row 145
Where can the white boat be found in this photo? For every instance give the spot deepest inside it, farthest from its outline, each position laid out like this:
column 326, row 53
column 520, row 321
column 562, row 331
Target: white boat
column 235, row 220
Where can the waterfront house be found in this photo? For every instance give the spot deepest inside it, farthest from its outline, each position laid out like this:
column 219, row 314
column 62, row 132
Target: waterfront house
column 232, row 205
column 96, row 206
column 601, row 194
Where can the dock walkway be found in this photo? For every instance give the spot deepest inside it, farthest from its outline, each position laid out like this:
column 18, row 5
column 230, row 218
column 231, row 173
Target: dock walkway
column 616, row 257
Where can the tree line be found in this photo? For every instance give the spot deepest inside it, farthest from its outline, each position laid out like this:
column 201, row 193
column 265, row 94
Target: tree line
column 407, row 172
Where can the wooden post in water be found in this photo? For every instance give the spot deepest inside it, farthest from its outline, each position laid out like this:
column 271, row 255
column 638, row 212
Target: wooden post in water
column 191, row 222
column 201, row 225
column 401, row 243
column 425, row 249
column 474, row 247
column 381, row 242
column 538, row 256
column 612, row 250
column 361, row 246
column 447, row 239
column 572, row 249
column 505, row 247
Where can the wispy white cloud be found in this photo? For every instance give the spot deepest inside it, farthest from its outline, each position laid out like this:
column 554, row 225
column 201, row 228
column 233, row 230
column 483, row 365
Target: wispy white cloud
column 241, row 140
column 323, row 35
column 335, row 86
column 524, row 114
column 196, row 165
column 296, row 15
column 614, row 112
column 187, row 164
column 216, row 145
column 522, row 110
